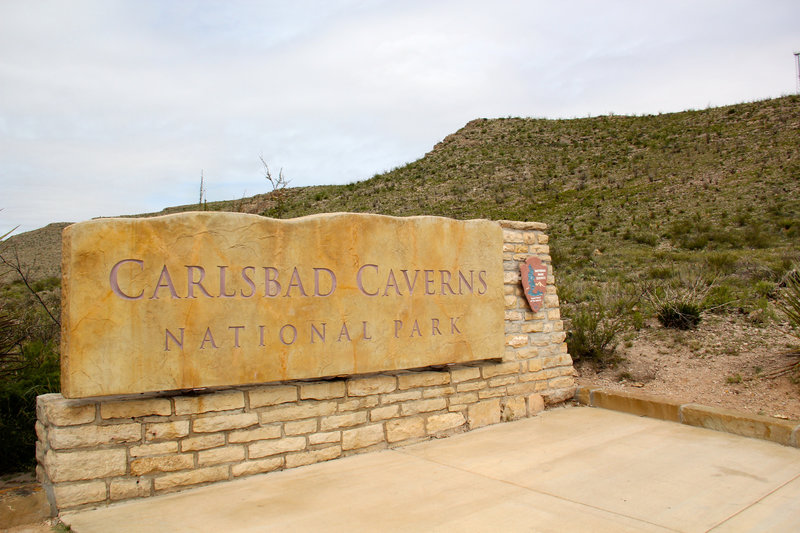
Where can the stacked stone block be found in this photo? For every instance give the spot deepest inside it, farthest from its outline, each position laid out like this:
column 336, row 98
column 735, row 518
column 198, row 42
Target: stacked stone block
column 93, row 452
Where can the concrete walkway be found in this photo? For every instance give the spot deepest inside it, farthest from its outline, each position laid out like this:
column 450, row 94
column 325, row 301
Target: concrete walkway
column 572, row 469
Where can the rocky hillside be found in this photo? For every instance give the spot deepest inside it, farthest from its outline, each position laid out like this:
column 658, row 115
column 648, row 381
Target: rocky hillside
column 622, row 194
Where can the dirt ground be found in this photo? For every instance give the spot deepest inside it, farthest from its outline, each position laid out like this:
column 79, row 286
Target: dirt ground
column 727, row 362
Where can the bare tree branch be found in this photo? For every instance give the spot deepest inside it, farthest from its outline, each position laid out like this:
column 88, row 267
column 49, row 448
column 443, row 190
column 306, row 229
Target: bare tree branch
column 16, row 266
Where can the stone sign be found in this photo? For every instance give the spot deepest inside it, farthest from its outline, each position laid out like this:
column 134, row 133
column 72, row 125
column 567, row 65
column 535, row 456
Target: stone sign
column 221, row 299
column 534, row 281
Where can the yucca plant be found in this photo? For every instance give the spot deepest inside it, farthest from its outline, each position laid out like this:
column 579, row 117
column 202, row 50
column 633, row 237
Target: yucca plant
column 789, row 301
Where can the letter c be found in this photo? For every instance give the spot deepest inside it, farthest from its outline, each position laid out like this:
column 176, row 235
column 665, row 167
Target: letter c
column 115, row 282
column 361, row 285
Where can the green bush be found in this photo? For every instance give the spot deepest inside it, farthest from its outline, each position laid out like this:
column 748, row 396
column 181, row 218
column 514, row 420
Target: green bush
column 680, row 306
column 592, row 334
column 37, row 372
column 596, row 323
column 679, row 315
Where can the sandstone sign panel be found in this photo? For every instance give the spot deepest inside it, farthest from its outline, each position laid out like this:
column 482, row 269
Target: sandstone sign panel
column 222, row 299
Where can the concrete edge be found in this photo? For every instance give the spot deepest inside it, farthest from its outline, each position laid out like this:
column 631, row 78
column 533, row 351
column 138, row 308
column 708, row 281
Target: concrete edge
column 785, row 432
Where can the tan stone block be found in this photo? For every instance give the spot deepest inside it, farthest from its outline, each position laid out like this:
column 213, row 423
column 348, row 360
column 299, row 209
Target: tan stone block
column 514, row 315
column 40, row 451
column 56, row 410
column 535, row 365
column 554, row 396
column 484, row 413
column 265, row 448
column 521, row 389
column 535, row 404
column 124, row 488
column 564, row 382
column 423, row 406
column 638, row 404
column 206, row 403
column 325, row 438
column 153, row 449
column 296, row 412
column 90, row 435
column 465, row 373
column 384, row 413
column 203, row 442
column 491, row 393
column 210, row 424
column 41, row 431
column 514, row 408
column 510, row 301
column 583, row 395
column 216, row 456
column 463, row 398
column 81, row 465
column 516, row 341
column 543, row 238
column 401, row 397
column 526, row 352
column 422, row 379
column 371, row 385
column 190, row 477
column 512, row 236
column 561, row 359
column 511, row 277
column 119, row 262
column 166, row 430
column 313, row 456
column 135, row 408
column 438, row 423
column 405, row 428
column 553, row 314
column 76, row 494
column 163, row 463
column 272, row 395
column 250, row 435
column 730, row 421
column 502, row 381
column 550, row 300
column 469, row 387
column 358, row 403
column 533, row 327
column 257, row 467
column 300, row 427
column 341, row 421
column 362, row 437
column 438, row 392
column 324, row 390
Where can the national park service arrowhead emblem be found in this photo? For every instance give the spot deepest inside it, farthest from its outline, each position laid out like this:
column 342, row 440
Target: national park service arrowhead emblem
column 534, row 282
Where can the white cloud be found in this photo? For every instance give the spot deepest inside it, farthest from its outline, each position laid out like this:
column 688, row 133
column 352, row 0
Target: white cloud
column 115, row 107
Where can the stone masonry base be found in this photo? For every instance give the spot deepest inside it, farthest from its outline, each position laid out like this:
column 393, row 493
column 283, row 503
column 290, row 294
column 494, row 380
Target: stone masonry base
column 97, row 451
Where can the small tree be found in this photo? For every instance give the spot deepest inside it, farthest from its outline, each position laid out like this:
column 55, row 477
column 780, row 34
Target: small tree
column 278, row 193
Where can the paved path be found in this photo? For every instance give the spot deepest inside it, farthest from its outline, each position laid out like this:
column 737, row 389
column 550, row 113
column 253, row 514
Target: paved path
column 572, row 469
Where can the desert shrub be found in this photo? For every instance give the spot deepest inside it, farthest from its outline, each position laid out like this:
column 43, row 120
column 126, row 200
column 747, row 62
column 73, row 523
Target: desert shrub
column 36, row 372
column 679, row 314
column 650, row 239
column 694, row 242
column 596, row 323
column 756, row 237
column 719, row 297
column 788, row 301
column 660, row 272
column 764, row 288
column 680, row 306
column 721, row 262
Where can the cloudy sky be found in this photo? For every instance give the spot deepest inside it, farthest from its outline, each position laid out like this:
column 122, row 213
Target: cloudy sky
column 114, row 107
